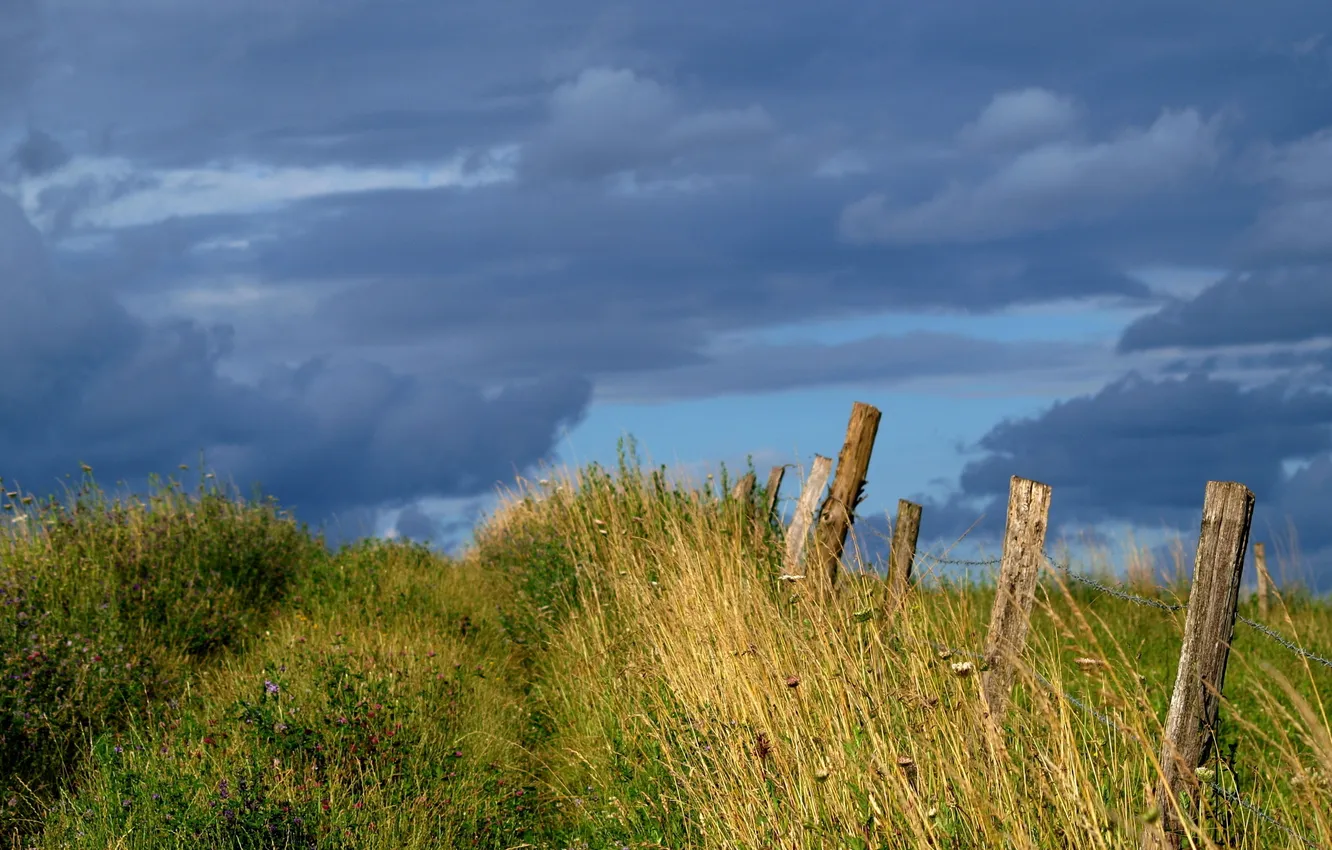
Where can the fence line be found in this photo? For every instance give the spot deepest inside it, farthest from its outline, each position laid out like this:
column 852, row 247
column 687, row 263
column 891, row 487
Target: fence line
column 1064, row 568
column 1208, row 629
column 1120, row 729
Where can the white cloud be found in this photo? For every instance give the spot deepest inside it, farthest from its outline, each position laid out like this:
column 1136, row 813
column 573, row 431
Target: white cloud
column 1296, row 224
column 1020, row 119
column 122, row 196
column 610, row 120
column 1045, row 186
column 1303, row 166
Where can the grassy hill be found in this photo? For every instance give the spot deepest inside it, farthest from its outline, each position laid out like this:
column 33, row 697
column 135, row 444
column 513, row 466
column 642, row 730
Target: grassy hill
column 610, row 665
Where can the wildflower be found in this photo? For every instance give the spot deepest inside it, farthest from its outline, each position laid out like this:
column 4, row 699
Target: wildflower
column 1089, row 665
column 963, row 668
column 271, row 687
column 762, row 747
column 1205, row 773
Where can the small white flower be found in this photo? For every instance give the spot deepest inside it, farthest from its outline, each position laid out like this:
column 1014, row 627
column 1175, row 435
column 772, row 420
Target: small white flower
column 963, row 668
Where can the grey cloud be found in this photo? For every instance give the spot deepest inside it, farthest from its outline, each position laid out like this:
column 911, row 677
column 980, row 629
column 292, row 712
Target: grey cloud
column 21, row 50
column 1020, row 119
column 1293, row 230
column 552, row 282
column 1283, row 305
column 1047, row 186
column 1304, row 166
column 1142, row 450
column 39, row 153
column 414, row 524
column 87, row 382
column 1293, row 226
column 878, row 359
column 611, row 119
column 587, row 266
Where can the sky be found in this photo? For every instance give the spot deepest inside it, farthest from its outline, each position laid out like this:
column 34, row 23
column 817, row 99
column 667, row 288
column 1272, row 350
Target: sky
column 380, row 258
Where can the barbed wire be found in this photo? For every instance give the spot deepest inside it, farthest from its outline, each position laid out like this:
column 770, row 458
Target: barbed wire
column 990, row 562
column 1239, row 800
column 1064, row 568
column 1272, row 634
column 1112, row 591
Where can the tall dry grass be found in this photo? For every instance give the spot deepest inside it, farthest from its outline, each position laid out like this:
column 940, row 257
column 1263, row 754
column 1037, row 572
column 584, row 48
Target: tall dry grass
column 720, row 707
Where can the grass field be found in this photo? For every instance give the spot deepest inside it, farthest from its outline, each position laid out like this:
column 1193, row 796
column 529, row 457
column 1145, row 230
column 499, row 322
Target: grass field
column 608, row 666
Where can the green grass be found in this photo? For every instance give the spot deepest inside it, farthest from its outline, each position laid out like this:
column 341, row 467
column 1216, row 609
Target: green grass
column 612, row 664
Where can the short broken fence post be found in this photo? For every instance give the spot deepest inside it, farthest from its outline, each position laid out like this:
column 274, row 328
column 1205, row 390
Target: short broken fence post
column 774, row 487
column 798, row 532
column 1264, row 578
column 1209, row 627
column 902, row 554
column 1024, row 551
column 744, row 488
column 839, row 507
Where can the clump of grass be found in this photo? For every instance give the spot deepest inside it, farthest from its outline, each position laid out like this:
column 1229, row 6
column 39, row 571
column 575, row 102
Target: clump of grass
column 106, row 605
column 384, row 711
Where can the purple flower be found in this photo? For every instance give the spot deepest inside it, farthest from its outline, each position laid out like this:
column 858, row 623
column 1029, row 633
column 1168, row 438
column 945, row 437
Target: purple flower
column 118, row 749
column 271, row 687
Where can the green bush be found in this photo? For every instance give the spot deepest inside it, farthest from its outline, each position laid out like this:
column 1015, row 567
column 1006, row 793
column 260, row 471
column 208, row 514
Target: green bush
column 105, row 605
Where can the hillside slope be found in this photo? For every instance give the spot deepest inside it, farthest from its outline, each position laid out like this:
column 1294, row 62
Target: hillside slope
column 612, row 664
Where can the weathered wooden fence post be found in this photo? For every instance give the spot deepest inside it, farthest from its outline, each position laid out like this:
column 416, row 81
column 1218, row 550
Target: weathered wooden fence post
column 774, row 487
column 744, row 488
column 1208, row 630
column 902, row 553
column 839, row 507
column 1023, row 554
column 1264, row 578
column 798, row 532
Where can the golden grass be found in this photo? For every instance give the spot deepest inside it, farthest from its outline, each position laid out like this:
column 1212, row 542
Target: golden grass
column 782, row 722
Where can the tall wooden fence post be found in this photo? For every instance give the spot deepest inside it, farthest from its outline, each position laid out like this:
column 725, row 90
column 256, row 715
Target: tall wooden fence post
column 902, row 553
column 1209, row 627
column 1264, row 577
column 1024, row 551
column 774, row 487
column 838, row 510
column 798, row 533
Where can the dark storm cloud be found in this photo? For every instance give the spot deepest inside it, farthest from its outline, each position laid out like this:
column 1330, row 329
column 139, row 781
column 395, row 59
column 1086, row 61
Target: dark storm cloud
column 39, row 153
column 85, row 381
column 1142, row 451
column 1291, row 304
column 631, row 282
column 21, row 50
column 415, row 524
column 976, row 157
column 315, row 82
